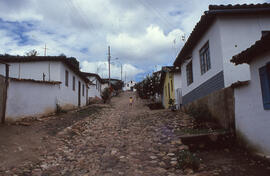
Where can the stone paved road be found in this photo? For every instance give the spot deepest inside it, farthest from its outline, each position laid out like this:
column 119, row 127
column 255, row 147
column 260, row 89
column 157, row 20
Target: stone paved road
column 120, row 140
column 123, row 140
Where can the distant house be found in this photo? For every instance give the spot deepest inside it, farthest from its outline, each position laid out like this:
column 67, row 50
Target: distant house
column 95, row 84
column 222, row 32
column 129, row 86
column 252, row 99
column 104, row 85
column 39, row 85
column 171, row 86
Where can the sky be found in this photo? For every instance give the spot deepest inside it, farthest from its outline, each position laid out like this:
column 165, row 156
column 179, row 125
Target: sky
column 143, row 35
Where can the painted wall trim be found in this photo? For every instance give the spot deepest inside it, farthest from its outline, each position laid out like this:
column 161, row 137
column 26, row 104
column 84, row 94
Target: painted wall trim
column 213, row 84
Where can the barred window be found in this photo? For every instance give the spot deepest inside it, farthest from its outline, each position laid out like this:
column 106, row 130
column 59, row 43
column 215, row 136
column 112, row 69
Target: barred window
column 189, row 73
column 205, row 58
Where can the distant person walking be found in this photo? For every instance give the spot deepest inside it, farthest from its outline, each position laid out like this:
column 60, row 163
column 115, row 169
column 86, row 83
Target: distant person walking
column 130, row 101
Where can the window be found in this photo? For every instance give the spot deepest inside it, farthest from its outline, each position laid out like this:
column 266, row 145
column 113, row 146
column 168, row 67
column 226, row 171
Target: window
column 73, row 83
column 205, row 58
column 189, row 73
column 83, row 90
column 66, row 81
column 265, row 85
column 127, row 85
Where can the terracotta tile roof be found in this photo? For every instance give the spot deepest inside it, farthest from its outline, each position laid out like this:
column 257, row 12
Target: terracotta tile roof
column 209, row 17
column 92, row 74
column 36, row 81
column 260, row 47
column 238, row 6
column 71, row 62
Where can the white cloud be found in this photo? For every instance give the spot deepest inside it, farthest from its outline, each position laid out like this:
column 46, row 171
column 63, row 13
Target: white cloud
column 141, row 33
column 129, row 72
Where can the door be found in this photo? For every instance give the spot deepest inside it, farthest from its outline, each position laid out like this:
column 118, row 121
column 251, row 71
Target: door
column 79, row 94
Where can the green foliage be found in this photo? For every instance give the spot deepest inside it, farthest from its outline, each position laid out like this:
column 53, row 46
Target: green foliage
column 171, row 101
column 200, row 113
column 186, row 159
column 118, row 85
column 105, row 95
column 31, row 53
column 59, row 109
column 149, row 86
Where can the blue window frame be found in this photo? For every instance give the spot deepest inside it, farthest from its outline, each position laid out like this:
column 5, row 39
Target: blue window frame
column 265, row 85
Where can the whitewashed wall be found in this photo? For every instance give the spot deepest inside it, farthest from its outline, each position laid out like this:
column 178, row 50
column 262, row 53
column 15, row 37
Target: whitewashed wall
column 252, row 121
column 54, row 71
column 94, row 90
column 30, row 99
column 177, row 87
column 128, row 85
column 103, row 86
column 237, row 34
column 34, row 70
column 213, row 36
column 68, row 97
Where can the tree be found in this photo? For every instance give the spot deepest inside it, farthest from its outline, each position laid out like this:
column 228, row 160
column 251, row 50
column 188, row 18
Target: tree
column 63, row 55
column 31, row 53
column 150, row 86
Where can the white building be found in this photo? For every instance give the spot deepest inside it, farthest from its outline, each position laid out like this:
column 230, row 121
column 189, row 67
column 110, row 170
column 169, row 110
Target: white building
column 129, row 86
column 104, row 85
column 222, row 32
column 38, row 84
column 252, row 99
column 94, row 86
column 177, row 89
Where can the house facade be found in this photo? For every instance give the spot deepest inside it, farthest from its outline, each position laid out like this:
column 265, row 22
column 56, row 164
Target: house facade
column 222, row 32
column 46, row 82
column 252, row 99
column 171, row 83
column 178, row 88
column 94, row 90
column 129, row 86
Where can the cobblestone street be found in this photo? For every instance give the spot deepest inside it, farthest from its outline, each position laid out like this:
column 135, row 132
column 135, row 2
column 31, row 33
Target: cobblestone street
column 118, row 140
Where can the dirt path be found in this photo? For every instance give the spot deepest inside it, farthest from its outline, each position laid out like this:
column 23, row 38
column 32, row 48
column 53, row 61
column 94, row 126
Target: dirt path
column 118, row 140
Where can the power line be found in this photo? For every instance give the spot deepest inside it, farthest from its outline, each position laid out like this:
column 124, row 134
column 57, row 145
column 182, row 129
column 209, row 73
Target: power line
column 82, row 16
column 162, row 18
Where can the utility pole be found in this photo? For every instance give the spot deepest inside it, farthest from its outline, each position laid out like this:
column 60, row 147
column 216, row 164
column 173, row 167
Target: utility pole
column 45, row 50
column 109, row 63
column 125, row 76
column 121, row 71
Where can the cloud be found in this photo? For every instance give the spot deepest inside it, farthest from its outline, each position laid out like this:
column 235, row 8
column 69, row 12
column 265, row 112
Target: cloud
column 129, row 71
column 152, row 46
column 141, row 33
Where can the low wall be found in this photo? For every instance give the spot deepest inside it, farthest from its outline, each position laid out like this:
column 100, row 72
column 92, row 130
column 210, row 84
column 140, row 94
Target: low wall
column 26, row 99
column 220, row 105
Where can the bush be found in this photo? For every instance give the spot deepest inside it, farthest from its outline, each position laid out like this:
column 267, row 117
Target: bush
column 105, row 95
column 59, row 109
column 186, row 159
